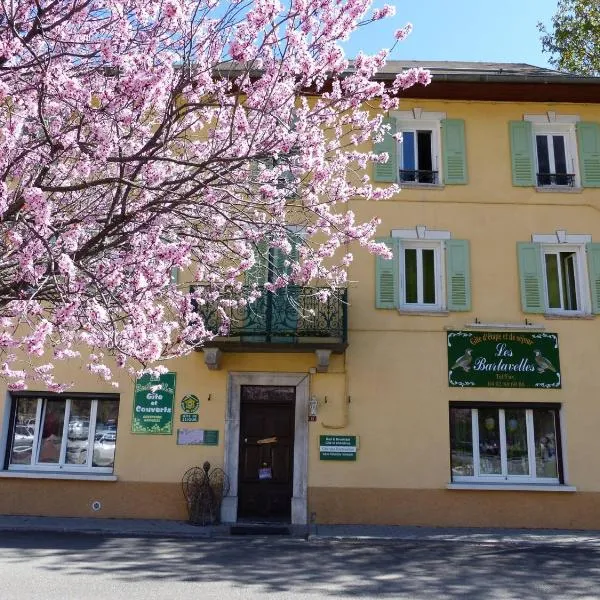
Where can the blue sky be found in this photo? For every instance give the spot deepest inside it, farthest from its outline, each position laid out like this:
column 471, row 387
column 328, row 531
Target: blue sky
column 472, row 30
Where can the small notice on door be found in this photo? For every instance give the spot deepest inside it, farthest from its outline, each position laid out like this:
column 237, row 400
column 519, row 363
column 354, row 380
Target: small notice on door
column 265, row 473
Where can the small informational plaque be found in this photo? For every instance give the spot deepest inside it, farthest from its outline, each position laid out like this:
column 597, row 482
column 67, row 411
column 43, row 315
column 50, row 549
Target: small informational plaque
column 197, row 437
column 337, row 447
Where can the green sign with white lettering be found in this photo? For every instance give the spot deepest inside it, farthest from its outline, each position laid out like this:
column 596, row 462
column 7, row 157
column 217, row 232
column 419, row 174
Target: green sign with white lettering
column 337, row 447
column 503, row 359
column 153, row 405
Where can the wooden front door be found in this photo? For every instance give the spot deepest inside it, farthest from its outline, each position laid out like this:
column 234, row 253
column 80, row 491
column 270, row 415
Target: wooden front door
column 266, row 461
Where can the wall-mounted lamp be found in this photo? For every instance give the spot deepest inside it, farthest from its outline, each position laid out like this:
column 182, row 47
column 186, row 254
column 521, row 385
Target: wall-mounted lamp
column 313, row 405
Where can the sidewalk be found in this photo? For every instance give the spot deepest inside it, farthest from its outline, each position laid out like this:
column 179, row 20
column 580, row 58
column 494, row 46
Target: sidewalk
column 314, row 533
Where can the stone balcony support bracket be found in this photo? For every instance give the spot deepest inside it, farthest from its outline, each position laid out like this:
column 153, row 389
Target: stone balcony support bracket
column 212, row 358
column 323, row 360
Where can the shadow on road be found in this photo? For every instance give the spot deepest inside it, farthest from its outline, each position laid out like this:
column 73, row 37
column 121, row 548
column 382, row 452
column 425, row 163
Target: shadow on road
column 327, row 568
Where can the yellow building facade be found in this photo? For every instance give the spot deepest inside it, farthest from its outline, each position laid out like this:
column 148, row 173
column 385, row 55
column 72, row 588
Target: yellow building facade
column 454, row 386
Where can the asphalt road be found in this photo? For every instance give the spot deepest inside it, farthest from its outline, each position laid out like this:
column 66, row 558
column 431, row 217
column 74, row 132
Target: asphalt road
column 48, row 566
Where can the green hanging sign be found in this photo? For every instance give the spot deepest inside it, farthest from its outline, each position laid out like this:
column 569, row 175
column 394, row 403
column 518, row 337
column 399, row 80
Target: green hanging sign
column 153, row 405
column 503, row 359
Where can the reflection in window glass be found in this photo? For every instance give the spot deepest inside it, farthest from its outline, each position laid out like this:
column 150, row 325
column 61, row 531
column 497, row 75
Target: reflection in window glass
column 544, row 429
column 105, row 438
column 23, row 431
column 51, row 433
column 489, row 442
column 552, row 281
column 461, row 441
column 78, row 431
column 505, row 445
column 410, row 270
column 516, row 442
column 53, row 419
column 428, row 276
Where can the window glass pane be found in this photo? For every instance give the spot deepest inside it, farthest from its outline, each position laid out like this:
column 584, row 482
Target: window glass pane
column 542, row 154
column 428, row 276
column 560, row 155
column 105, row 438
column 567, row 263
column 78, row 431
column 424, row 158
column 52, row 431
column 408, row 155
column 461, row 442
column 544, row 432
column 21, row 444
column 516, row 442
column 552, row 281
column 410, row 275
column 489, row 442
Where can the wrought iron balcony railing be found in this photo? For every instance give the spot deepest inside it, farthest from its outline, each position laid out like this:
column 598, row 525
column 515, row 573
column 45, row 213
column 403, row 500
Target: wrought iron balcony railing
column 566, row 179
column 418, row 176
column 293, row 315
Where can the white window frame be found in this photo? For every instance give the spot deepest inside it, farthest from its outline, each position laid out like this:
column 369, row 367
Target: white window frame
column 61, row 466
column 505, row 477
column 438, row 265
column 418, row 120
column 563, row 125
column 422, row 238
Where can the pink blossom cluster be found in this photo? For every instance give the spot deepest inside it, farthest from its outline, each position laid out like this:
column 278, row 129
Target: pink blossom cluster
column 147, row 144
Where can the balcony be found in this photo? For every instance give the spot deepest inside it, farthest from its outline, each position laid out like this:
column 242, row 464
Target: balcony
column 418, row 176
column 558, row 179
column 291, row 320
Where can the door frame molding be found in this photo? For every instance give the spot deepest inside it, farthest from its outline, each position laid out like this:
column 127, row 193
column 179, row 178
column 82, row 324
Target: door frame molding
column 299, row 508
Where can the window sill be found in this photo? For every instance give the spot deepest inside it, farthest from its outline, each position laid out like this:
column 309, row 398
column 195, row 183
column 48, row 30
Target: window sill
column 585, row 316
column 512, row 487
column 54, row 475
column 406, row 185
column 559, row 189
column 423, row 313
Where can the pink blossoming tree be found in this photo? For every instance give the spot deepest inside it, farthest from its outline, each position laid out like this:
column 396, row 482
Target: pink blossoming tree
column 138, row 137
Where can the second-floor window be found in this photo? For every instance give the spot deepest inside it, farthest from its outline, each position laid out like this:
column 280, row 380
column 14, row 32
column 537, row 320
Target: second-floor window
column 429, row 272
column 560, row 274
column 421, row 270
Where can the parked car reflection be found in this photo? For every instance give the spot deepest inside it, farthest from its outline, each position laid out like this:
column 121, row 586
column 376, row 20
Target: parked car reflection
column 104, row 448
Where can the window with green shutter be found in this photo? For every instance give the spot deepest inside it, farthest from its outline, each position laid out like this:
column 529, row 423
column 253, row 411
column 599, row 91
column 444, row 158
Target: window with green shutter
column 387, row 172
column 458, row 275
column 521, row 149
column 429, row 273
column 593, row 263
column 588, row 139
column 386, row 276
column 454, row 151
column 553, row 276
column 531, row 277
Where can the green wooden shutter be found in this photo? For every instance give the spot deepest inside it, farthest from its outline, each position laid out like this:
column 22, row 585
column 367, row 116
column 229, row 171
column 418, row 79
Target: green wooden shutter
column 588, row 142
column 387, row 172
column 257, row 274
column 458, row 275
column 531, row 277
column 386, row 276
column 593, row 260
column 521, row 149
column 454, row 151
